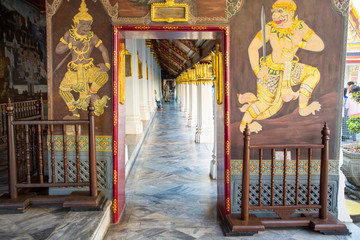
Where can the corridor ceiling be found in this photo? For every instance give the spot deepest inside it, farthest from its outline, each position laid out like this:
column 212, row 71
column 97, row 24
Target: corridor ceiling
column 175, row 56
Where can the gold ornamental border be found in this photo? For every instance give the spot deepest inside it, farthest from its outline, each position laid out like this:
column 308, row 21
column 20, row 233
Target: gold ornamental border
column 169, row 4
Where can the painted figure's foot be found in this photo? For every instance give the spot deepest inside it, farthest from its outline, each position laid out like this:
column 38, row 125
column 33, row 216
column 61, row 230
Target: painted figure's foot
column 93, row 97
column 246, row 97
column 288, row 94
column 74, row 116
column 253, row 127
column 310, row 109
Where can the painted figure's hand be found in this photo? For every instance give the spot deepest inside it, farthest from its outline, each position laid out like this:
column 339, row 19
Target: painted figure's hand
column 102, row 67
column 262, row 72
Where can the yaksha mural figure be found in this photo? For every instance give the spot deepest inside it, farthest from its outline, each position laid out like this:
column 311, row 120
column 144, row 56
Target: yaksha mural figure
column 82, row 75
column 280, row 70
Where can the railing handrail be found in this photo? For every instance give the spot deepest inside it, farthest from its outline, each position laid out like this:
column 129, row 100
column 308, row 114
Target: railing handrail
column 19, row 102
column 282, row 146
column 49, row 122
column 13, row 181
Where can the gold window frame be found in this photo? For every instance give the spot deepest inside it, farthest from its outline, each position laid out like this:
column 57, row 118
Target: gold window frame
column 169, row 4
column 128, row 63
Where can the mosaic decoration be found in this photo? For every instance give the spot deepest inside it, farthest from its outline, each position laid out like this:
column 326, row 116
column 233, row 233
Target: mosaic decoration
column 233, row 6
column 237, row 165
column 342, row 6
column 278, row 194
column 103, row 143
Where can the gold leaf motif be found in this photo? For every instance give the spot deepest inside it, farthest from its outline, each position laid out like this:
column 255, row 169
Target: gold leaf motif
column 227, row 147
column 115, row 177
column 227, row 58
column 115, row 148
column 114, row 206
column 227, row 89
column 142, row 28
column 227, row 176
column 198, row 28
column 115, row 58
column 115, row 119
column 227, row 118
column 225, row 29
column 170, row 28
column 228, row 205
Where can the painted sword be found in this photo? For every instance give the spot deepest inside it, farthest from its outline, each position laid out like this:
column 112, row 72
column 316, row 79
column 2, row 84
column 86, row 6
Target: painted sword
column 263, row 37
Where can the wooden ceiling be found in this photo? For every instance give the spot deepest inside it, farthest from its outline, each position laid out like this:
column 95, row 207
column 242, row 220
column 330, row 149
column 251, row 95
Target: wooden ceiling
column 176, row 55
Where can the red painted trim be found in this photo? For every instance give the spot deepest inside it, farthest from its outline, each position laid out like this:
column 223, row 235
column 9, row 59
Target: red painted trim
column 226, row 55
column 115, row 72
column 227, row 121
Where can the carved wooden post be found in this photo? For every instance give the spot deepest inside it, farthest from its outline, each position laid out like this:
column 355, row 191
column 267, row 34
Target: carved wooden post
column 40, row 108
column 324, row 172
column 245, row 176
column 11, row 151
column 92, row 151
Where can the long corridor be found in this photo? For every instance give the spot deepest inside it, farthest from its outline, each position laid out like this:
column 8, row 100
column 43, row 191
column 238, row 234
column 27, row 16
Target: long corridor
column 169, row 194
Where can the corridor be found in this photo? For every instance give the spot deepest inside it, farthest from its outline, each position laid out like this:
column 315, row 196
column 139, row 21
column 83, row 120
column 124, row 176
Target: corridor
column 169, row 194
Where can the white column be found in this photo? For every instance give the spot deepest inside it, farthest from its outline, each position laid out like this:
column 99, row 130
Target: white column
column 144, row 108
column 151, row 93
column 133, row 125
column 186, row 100
column 182, row 97
column 192, row 106
column 213, row 162
column 204, row 128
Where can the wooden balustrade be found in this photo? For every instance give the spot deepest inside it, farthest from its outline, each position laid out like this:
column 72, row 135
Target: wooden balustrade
column 249, row 224
column 32, row 109
column 27, row 160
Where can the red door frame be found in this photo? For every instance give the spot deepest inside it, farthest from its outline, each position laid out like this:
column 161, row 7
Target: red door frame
column 224, row 204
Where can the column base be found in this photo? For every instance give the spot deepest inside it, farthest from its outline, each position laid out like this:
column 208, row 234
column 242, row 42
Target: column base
column 133, row 127
column 204, row 135
column 213, row 170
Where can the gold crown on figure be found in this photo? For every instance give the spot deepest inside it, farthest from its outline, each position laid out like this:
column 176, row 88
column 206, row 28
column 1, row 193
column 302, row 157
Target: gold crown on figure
column 289, row 5
column 82, row 14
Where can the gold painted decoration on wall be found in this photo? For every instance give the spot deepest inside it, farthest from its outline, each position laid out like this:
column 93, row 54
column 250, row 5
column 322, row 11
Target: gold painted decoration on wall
column 128, row 64
column 281, row 76
column 217, row 61
column 140, row 68
column 169, row 12
column 83, row 78
column 147, row 71
column 122, row 70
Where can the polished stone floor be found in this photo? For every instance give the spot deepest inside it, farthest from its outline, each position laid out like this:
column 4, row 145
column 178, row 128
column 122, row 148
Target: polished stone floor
column 169, row 194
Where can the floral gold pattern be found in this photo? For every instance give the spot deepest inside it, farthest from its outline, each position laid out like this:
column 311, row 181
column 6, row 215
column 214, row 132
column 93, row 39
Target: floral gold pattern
column 227, row 176
column 114, row 205
column 198, row 28
column 170, row 28
column 115, row 147
column 227, row 118
column 227, row 89
column 228, row 205
column 142, row 28
column 225, row 29
column 115, row 177
column 227, row 147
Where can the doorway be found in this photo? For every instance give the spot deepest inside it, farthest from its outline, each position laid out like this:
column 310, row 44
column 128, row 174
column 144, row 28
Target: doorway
column 222, row 110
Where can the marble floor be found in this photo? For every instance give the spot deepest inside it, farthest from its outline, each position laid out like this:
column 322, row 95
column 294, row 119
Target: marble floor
column 169, row 194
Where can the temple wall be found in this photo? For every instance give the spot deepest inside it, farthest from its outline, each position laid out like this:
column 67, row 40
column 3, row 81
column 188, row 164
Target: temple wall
column 22, row 51
column 70, row 80
column 286, row 125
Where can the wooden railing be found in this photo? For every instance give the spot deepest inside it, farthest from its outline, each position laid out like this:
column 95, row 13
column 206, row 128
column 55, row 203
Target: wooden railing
column 286, row 208
column 32, row 109
column 27, row 154
column 249, row 224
